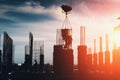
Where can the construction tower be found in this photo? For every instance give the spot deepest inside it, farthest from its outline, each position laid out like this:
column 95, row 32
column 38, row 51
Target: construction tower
column 63, row 52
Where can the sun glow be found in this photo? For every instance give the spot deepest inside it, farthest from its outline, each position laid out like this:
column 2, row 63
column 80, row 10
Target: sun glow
column 117, row 36
column 117, row 39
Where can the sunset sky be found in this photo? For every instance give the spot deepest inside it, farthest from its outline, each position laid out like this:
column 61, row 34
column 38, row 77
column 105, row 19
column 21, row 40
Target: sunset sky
column 43, row 17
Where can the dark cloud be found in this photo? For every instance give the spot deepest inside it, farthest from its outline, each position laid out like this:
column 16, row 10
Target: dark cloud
column 12, row 2
column 28, row 17
column 20, row 16
column 6, row 21
column 45, row 3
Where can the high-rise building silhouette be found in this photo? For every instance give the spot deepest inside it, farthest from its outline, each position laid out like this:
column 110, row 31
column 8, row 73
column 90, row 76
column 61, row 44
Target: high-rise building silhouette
column 107, row 57
column 100, row 56
column 82, row 53
column 42, row 59
column 36, row 52
column 27, row 58
column 107, row 52
column 0, row 61
column 95, row 58
column 34, row 55
column 63, row 56
column 0, row 56
column 30, row 49
column 7, row 53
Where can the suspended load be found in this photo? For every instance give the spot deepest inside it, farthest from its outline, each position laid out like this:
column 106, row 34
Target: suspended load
column 66, row 30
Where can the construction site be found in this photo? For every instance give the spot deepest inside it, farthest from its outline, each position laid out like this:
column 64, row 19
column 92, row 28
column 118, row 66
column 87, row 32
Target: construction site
column 91, row 66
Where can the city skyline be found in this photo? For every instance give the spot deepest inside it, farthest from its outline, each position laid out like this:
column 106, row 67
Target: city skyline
column 43, row 18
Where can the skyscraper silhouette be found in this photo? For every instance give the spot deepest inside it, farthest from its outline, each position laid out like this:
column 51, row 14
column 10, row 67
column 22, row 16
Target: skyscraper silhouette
column 100, row 56
column 95, row 58
column 0, row 61
column 7, row 53
column 27, row 59
column 30, row 50
column 107, row 58
column 62, row 60
column 63, row 52
column 41, row 59
column 63, row 55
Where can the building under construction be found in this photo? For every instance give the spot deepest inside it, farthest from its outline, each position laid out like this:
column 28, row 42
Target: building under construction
column 63, row 52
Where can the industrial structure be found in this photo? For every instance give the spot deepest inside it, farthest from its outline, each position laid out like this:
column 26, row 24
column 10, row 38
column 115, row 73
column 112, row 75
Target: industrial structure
column 89, row 60
column 100, row 54
column 63, row 52
column 107, row 56
column 95, row 57
column 82, row 53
